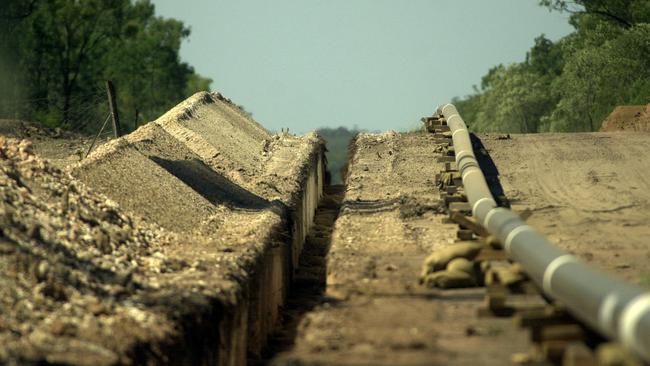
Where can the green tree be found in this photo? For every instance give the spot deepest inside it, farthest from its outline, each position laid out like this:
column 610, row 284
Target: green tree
column 572, row 84
column 145, row 64
column 514, row 99
column 12, row 14
column 597, row 78
column 623, row 13
column 65, row 50
column 64, row 39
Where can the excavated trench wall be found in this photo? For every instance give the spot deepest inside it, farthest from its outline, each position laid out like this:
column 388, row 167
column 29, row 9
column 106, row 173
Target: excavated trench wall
column 270, row 288
column 232, row 192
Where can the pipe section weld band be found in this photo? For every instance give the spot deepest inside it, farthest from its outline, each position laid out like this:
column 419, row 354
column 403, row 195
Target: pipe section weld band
column 552, row 268
column 484, row 199
column 513, row 233
column 460, row 130
column 606, row 312
column 629, row 324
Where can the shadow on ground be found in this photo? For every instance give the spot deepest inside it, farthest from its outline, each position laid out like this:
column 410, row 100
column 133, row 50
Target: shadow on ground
column 490, row 171
column 211, row 185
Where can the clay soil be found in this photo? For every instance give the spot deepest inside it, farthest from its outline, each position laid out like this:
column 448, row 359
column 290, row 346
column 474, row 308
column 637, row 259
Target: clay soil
column 628, row 118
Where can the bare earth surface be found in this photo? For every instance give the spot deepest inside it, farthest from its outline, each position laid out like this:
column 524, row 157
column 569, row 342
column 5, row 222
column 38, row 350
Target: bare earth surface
column 628, row 118
column 375, row 312
column 61, row 148
column 171, row 245
column 589, row 193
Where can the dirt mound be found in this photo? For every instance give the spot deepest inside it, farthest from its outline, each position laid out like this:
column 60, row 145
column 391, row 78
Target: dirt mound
column 284, row 170
column 628, row 118
column 233, row 204
column 24, row 129
column 85, row 283
column 229, row 142
column 235, row 143
column 60, row 147
column 142, row 186
column 71, row 261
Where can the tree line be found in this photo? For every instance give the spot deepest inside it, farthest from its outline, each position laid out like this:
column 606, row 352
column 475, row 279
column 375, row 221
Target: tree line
column 574, row 83
column 56, row 55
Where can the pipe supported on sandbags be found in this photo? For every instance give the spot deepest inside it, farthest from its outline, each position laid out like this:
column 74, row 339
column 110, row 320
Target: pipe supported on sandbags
column 615, row 308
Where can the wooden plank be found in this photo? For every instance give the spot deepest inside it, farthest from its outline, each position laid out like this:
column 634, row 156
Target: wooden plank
column 454, row 198
column 565, row 332
column 451, row 189
column 441, row 140
column 445, row 159
column 465, row 234
column 548, row 316
column 451, row 167
column 553, row 350
column 495, row 300
column 459, row 207
column 467, row 222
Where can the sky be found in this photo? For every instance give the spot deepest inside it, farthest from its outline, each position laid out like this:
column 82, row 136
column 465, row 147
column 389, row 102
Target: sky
column 374, row 64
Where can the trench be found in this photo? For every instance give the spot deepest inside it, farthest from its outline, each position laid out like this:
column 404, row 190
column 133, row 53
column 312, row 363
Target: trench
column 308, row 287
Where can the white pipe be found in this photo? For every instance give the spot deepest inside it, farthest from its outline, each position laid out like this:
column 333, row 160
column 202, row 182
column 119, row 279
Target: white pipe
column 614, row 308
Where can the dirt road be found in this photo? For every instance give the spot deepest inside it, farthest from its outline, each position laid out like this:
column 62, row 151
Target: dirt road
column 373, row 310
column 589, row 193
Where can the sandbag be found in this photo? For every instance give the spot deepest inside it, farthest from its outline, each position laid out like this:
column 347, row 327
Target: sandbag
column 440, row 258
column 449, row 279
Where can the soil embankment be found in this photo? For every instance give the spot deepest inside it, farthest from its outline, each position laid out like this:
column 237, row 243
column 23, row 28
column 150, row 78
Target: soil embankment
column 373, row 311
column 628, row 118
column 174, row 244
column 177, row 244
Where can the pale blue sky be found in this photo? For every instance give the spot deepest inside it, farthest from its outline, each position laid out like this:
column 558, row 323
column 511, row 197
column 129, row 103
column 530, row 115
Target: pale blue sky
column 376, row 64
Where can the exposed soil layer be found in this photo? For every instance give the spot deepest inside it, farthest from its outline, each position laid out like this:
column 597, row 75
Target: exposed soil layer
column 309, row 282
column 589, row 193
column 373, row 311
column 150, row 251
column 60, row 147
column 177, row 244
column 628, row 118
